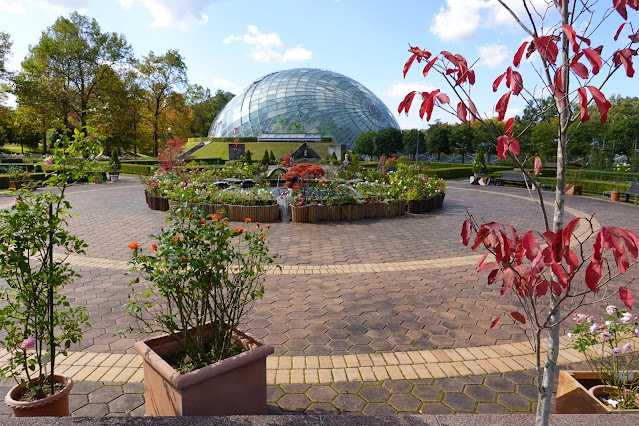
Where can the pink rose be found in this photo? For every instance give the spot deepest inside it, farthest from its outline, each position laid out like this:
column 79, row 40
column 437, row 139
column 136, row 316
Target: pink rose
column 28, row 343
column 48, row 161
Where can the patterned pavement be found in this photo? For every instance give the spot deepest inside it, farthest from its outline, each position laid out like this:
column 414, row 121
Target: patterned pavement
column 370, row 302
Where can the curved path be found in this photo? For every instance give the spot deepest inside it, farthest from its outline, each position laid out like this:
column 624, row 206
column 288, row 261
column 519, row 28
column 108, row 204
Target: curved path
column 355, row 301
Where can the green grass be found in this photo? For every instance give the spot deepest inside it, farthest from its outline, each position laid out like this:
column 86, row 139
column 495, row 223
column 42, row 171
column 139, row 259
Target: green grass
column 280, row 149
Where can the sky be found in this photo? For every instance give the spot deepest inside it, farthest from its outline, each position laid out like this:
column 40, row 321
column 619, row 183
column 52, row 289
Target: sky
column 227, row 44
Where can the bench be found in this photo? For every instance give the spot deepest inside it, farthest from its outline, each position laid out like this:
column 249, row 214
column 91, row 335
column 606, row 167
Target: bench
column 516, row 177
column 634, row 190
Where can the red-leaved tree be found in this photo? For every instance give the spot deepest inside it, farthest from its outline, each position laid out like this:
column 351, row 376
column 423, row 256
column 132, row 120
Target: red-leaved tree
column 576, row 58
column 168, row 157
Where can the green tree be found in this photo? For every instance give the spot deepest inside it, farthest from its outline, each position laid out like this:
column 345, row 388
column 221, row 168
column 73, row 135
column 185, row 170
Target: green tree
column 413, row 142
column 388, row 141
column 5, row 51
column 365, row 143
column 160, row 77
column 265, row 158
column 205, row 107
column 462, row 140
column 272, row 158
column 438, row 139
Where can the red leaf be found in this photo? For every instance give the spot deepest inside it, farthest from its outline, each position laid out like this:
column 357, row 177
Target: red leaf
column 493, row 276
column 602, row 103
column 517, row 83
column 579, row 69
column 473, row 111
column 537, row 165
column 443, row 98
column 619, row 30
column 594, row 58
column 549, row 236
column 405, row 104
column 466, row 232
column 480, row 237
column 547, row 49
column 531, row 245
column 508, row 127
column 583, row 104
column 494, row 322
column 620, row 5
column 429, row 66
column 584, row 39
column 573, row 261
column 462, row 113
column 518, row 55
column 634, row 38
column 625, row 56
column 626, row 297
column 555, row 288
column 560, row 273
column 571, row 35
column 518, row 317
column 567, row 234
column 497, row 82
column 451, row 57
column 558, row 246
column 513, row 146
column 502, row 105
column 471, row 77
column 502, row 146
column 559, row 84
column 541, row 288
column 408, row 64
column 593, row 275
column 508, row 279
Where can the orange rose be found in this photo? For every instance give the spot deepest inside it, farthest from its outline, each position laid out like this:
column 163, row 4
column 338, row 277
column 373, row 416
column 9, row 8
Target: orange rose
column 154, row 247
column 134, row 245
column 214, row 217
column 247, row 220
column 240, row 229
column 176, row 238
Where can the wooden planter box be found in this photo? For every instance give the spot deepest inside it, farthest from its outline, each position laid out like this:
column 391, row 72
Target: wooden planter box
column 573, row 396
column 311, row 214
column 424, row 206
column 255, row 213
column 573, row 189
column 157, row 203
column 235, row 385
column 17, row 184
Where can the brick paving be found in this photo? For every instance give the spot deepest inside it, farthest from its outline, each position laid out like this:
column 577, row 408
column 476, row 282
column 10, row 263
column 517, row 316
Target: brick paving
column 390, row 306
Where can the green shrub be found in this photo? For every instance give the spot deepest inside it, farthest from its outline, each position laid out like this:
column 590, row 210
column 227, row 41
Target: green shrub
column 138, row 169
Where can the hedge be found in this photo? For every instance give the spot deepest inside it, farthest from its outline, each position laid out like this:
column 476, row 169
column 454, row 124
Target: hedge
column 592, row 186
column 137, row 169
column 4, row 179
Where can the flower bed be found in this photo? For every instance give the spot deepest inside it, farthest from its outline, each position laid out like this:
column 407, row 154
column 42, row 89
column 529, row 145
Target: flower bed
column 156, row 203
column 319, row 213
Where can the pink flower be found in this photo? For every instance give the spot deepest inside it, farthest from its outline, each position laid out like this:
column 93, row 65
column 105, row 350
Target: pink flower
column 16, row 201
column 28, row 343
column 626, row 318
column 616, row 351
column 48, row 161
column 627, row 347
column 593, row 328
column 611, row 309
column 605, row 335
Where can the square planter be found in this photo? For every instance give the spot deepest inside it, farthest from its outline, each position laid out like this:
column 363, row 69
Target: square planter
column 573, row 189
column 236, row 385
column 17, row 184
column 573, row 396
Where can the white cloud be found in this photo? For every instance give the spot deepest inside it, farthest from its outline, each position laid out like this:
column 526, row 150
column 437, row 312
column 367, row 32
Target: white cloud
column 492, row 55
column 185, row 14
column 226, row 86
column 266, row 47
column 400, row 90
column 59, row 6
column 11, row 6
column 126, row 4
column 458, row 21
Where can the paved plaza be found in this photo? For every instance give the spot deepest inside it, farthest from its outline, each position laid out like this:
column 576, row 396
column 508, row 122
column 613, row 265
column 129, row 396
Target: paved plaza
column 375, row 316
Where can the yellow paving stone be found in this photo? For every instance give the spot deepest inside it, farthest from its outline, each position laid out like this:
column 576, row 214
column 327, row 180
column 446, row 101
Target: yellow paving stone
column 283, row 376
column 339, row 375
column 531, row 359
column 367, row 374
column 390, row 358
column 524, row 362
column 378, row 360
column 312, row 362
column 422, row 371
column 435, row 371
column 286, row 362
column 338, row 361
column 474, row 367
column 72, row 371
column 124, row 360
column 111, row 360
column 325, row 361
column 136, row 362
column 461, row 368
column 351, row 361
column 465, row 354
column 501, row 352
column 71, row 358
column 381, row 373
column 512, row 364
column 85, row 358
column 98, row 359
column 310, row 376
column 112, row 374
column 394, row 372
column 352, row 374
column 138, row 376
column 441, row 356
column 403, row 358
column 415, row 357
column 512, row 349
column 364, row 360
column 570, row 356
column 84, row 372
column 448, row 369
column 126, row 374
column 478, row 353
column 96, row 374
column 523, row 347
column 489, row 352
column 297, row 376
column 408, row 371
column 428, row 356
column 325, row 375
column 61, row 369
column 487, row 366
column 271, row 363
column 270, row 377
column 299, row 362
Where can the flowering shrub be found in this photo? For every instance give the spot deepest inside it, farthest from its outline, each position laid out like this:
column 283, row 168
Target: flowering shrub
column 576, row 177
column 610, row 352
column 201, row 272
column 375, row 192
column 255, row 196
column 328, row 193
column 304, row 171
column 17, row 173
column 411, row 183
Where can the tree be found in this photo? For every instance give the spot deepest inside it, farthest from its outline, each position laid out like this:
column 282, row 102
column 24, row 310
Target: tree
column 559, row 49
column 414, row 142
column 265, row 158
column 388, row 141
column 438, row 139
column 160, row 77
column 205, row 107
column 365, row 143
column 5, row 51
column 462, row 140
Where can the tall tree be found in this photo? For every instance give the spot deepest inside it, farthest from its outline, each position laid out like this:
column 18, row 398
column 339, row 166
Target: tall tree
column 388, row 141
column 5, row 51
column 160, row 77
column 438, row 139
column 365, row 143
column 414, row 142
column 462, row 140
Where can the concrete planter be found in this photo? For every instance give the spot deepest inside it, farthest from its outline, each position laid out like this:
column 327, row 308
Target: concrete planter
column 54, row 406
column 574, row 397
column 236, row 385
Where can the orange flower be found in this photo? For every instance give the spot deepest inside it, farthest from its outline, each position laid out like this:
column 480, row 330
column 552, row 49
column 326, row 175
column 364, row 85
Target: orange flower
column 154, row 247
column 214, row 217
column 190, row 215
column 261, row 237
column 240, row 229
column 247, row 220
column 202, row 222
column 134, row 245
column 176, row 238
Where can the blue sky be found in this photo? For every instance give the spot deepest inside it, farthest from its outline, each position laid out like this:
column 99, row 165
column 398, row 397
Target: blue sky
column 229, row 43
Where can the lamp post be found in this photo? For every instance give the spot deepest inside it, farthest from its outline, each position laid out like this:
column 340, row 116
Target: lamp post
column 170, row 134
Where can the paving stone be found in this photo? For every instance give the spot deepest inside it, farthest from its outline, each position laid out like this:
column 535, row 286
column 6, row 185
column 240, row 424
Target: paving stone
column 404, row 402
column 349, row 402
column 499, row 384
column 85, row 388
column 449, row 384
column 374, row 393
column 92, row 410
column 490, row 408
column 513, row 402
column 319, row 393
column 322, row 408
column 520, row 377
column 459, row 402
column 77, row 401
column 529, row 392
column 427, row 393
column 126, row 403
column 347, row 387
column 133, row 388
column 295, row 388
column 398, row 386
column 435, row 408
column 378, row 409
column 273, row 393
column 105, row 394
column 293, row 402
column 480, row 393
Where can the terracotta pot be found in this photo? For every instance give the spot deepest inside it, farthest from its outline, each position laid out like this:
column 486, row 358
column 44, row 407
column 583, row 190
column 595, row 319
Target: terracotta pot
column 236, row 385
column 574, row 397
column 614, row 196
column 54, row 406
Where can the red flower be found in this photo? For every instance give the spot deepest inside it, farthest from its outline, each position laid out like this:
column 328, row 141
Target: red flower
column 190, row 215
column 257, row 224
column 214, row 217
column 261, row 237
column 247, row 220
column 202, row 222
column 154, row 247
column 176, row 238
column 239, row 229
column 134, row 245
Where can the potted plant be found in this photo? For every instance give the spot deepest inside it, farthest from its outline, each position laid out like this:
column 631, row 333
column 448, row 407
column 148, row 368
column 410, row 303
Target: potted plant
column 479, row 167
column 18, row 178
column 573, row 185
column 611, row 384
column 114, row 166
column 203, row 277
column 37, row 320
column 614, row 195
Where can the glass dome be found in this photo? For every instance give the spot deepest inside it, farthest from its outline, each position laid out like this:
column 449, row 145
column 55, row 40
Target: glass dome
column 304, row 100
